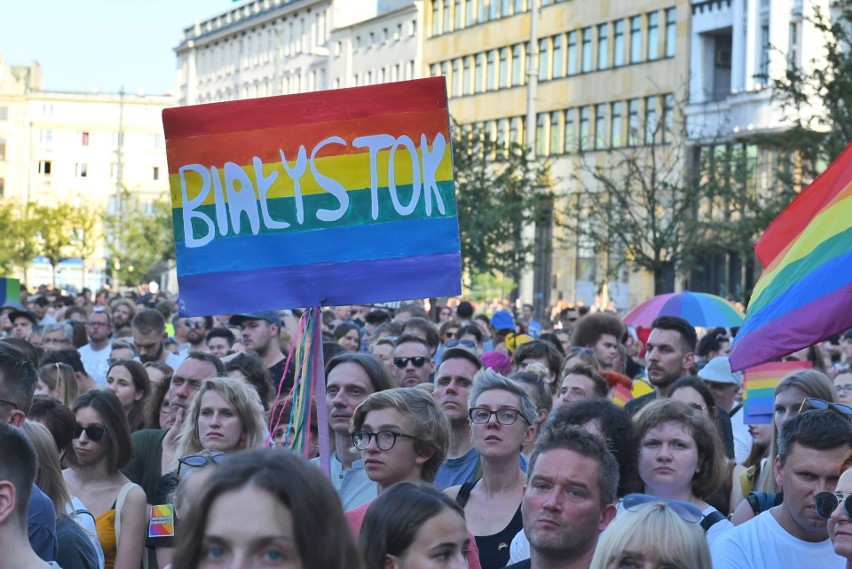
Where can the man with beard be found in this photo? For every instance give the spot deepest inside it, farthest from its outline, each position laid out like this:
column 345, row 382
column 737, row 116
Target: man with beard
column 670, row 356
column 95, row 355
column 412, row 361
column 196, row 335
column 453, row 383
column 123, row 311
column 569, row 498
column 260, row 332
column 149, row 336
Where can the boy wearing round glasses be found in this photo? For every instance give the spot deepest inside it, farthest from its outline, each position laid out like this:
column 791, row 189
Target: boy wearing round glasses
column 412, row 361
column 402, row 434
column 811, row 448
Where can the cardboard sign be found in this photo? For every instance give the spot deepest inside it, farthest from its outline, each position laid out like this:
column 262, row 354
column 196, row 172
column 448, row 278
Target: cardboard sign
column 161, row 522
column 326, row 198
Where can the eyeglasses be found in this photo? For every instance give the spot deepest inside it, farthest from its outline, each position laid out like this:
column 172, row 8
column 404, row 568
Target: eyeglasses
column 97, row 324
column 827, row 502
column 93, row 432
column 481, row 415
column 684, row 510
column 416, row 361
column 195, row 324
column 384, row 439
column 843, row 389
column 457, row 343
column 14, row 405
column 820, row 404
column 198, row 460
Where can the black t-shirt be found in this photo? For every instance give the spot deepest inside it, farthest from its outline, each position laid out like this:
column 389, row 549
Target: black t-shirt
column 276, row 371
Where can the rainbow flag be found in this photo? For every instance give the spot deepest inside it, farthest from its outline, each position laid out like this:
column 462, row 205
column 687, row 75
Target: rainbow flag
column 621, row 395
column 805, row 292
column 10, row 289
column 324, row 198
column 759, row 385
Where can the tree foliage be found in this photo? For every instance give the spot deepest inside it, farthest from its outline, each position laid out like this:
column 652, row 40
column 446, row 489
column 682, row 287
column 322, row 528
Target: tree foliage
column 17, row 236
column 141, row 239
column 501, row 192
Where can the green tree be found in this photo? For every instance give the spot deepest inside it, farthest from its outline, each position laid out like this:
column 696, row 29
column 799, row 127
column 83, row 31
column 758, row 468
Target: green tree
column 501, row 192
column 17, row 236
column 53, row 224
column 140, row 239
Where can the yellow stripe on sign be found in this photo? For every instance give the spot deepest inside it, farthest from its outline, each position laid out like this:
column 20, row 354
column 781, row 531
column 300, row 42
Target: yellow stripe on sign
column 350, row 170
column 640, row 388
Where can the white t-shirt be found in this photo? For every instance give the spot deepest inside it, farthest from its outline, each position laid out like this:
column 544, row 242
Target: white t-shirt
column 762, row 543
column 96, row 362
column 742, row 438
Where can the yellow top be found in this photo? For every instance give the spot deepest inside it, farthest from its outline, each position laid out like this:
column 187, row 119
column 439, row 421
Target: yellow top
column 105, row 525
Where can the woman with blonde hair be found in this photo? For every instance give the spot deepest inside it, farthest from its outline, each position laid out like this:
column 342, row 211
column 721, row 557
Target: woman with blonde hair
column 58, row 380
column 653, row 532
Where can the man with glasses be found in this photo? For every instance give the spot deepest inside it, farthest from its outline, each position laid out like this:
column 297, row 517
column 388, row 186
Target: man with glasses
column 412, row 361
column 57, row 337
column 569, row 498
column 96, row 353
column 453, row 383
column 811, row 448
column 196, row 335
column 17, row 386
column 402, row 434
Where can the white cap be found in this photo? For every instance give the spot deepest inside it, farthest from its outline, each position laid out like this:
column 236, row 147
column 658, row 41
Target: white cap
column 718, row 370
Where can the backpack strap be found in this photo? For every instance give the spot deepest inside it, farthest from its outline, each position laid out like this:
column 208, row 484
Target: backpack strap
column 710, row 519
column 119, row 502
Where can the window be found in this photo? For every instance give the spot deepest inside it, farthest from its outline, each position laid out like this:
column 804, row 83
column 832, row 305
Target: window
column 792, row 46
column 615, row 139
column 468, row 13
column 670, row 32
column 516, row 64
column 434, row 71
column 2, row 148
column 763, row 69
column 466, row 80
column 457, row 78
column 587, row 50
column 513, row 130
column 490, row 75
column 571, row 56
column 668, row 117
column 632, row 122
column 635, row 39
column 618, row 44
column 501, row 132
column 457, row 14
column 541, row 135
column 504, row 67
column 650, row 119
column 44, row 167
column 585, row 138
column 507, row 8
column 653, row 36
column 570, row 140
column 477, row 72
column 481, row 16
column 519, row 6
column 81, row 169
column 542, row 59
column 603, row 46
column 446, row 16
column 45, row 136
column 600, row 126
column 555, row 139
column 436, row 18
column 156, row 173
column 494, row 9
column 556, row 70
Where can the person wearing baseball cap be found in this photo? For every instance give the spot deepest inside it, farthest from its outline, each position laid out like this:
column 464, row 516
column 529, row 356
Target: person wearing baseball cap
column 724, row 385
column 260, row 333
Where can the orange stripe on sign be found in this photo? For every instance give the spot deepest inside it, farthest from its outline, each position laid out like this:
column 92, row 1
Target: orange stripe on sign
column 241, row 147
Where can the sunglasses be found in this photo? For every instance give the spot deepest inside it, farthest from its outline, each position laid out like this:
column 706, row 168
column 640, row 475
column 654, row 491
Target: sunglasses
column 416, row 361
column 198, row 325
column 684, row 510
column 464, row 343
column 820, row 404
column 827, row 502
column 93, row 432
column 198, row 460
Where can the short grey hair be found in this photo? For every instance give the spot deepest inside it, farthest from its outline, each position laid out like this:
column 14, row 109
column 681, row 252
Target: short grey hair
column 67, row 330
column 487, row 379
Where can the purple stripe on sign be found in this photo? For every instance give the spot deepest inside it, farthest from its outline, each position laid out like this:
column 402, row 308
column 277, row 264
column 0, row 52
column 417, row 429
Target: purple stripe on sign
column 793, row 330
column 356, row 282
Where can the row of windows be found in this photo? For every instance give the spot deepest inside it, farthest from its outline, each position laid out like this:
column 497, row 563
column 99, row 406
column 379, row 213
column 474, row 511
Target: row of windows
column 616, row 124
column 593, row 48
column 371, row 39
column 45, row 137
column 395, row 72
column 452, row 15
column 81, row 170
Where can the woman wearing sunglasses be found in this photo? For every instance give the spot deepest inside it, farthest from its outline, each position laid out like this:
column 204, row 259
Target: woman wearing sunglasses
column 653, row 532
column 681, row 458
column 502, row 416
column 837, row 509
column 102, row 446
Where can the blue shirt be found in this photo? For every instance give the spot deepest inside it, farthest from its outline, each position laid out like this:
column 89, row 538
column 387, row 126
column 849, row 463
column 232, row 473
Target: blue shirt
column 41, row 525
column 353, row 485
column 457, row 471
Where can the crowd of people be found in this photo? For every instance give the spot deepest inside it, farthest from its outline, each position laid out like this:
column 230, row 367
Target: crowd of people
column 132, row 437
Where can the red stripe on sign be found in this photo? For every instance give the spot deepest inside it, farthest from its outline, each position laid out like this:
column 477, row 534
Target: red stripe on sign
column 241, row 147
column 318, row 107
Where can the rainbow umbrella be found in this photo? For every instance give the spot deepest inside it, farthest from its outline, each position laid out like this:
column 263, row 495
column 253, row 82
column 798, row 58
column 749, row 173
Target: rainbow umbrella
column 697, row 308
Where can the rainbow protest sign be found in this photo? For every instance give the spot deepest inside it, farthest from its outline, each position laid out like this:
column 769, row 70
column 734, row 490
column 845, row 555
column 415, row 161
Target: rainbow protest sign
column 10, row 289
column 759, row 385
column 327, row 198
